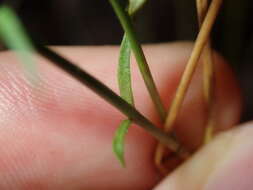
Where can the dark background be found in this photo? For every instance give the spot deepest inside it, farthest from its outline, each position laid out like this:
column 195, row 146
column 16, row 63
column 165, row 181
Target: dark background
column 92, row 22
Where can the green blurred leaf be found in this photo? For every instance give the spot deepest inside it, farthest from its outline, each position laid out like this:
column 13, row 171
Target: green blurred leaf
column 118, row 141
column 14, row 36
column 135, row 5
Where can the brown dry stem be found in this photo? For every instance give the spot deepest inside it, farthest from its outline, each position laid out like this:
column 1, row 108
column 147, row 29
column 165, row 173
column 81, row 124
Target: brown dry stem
column 208, row 75
column 176, row 104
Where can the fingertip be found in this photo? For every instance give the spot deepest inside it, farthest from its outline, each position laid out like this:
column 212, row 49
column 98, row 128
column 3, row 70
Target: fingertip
column 225, row 163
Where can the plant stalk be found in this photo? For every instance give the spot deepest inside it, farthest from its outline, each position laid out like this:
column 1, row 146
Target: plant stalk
column 106, row 93
column 200, row 43
column 127, row 25
column 208, row 75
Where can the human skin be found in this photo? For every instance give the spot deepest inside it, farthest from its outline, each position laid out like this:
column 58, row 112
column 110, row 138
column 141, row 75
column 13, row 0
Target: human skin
column 57, row 134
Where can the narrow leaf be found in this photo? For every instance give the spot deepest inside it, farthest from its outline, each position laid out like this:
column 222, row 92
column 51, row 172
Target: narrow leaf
column 124, row 72
column 124, row 81
column 125, row 87
column 126, row 23
column 14, row 36
column 118, row 145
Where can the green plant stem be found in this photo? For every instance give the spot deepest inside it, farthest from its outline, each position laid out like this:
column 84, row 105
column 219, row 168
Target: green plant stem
column 127, row 25
column 106, row 93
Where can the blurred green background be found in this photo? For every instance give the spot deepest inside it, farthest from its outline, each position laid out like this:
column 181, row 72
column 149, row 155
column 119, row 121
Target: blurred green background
column 92, row 22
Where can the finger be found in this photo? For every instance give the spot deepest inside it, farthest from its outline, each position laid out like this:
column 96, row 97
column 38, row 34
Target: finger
column 226, row 163
column 57, row 135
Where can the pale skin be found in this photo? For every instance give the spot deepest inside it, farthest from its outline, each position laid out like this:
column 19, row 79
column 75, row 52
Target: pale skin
column 57, row 135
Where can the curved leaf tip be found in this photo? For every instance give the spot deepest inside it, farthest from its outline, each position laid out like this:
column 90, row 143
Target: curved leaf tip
column 118, row 141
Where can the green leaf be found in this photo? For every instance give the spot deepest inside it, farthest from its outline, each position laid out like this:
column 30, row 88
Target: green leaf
column 124, row 72
column 126, row 23
column 118, row 141
column 124, row 82
column 135, row 5
column 125, row 87
column 14, row 36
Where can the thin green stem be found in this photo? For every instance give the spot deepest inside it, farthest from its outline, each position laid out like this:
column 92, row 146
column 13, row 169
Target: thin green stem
column 106, row 93
column 127, row 25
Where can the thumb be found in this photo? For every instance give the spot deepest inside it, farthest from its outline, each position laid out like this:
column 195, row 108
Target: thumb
column 224, row 164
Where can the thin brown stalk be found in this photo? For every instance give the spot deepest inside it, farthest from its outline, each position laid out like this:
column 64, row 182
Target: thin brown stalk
column 200, row 43
column 208, row 75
